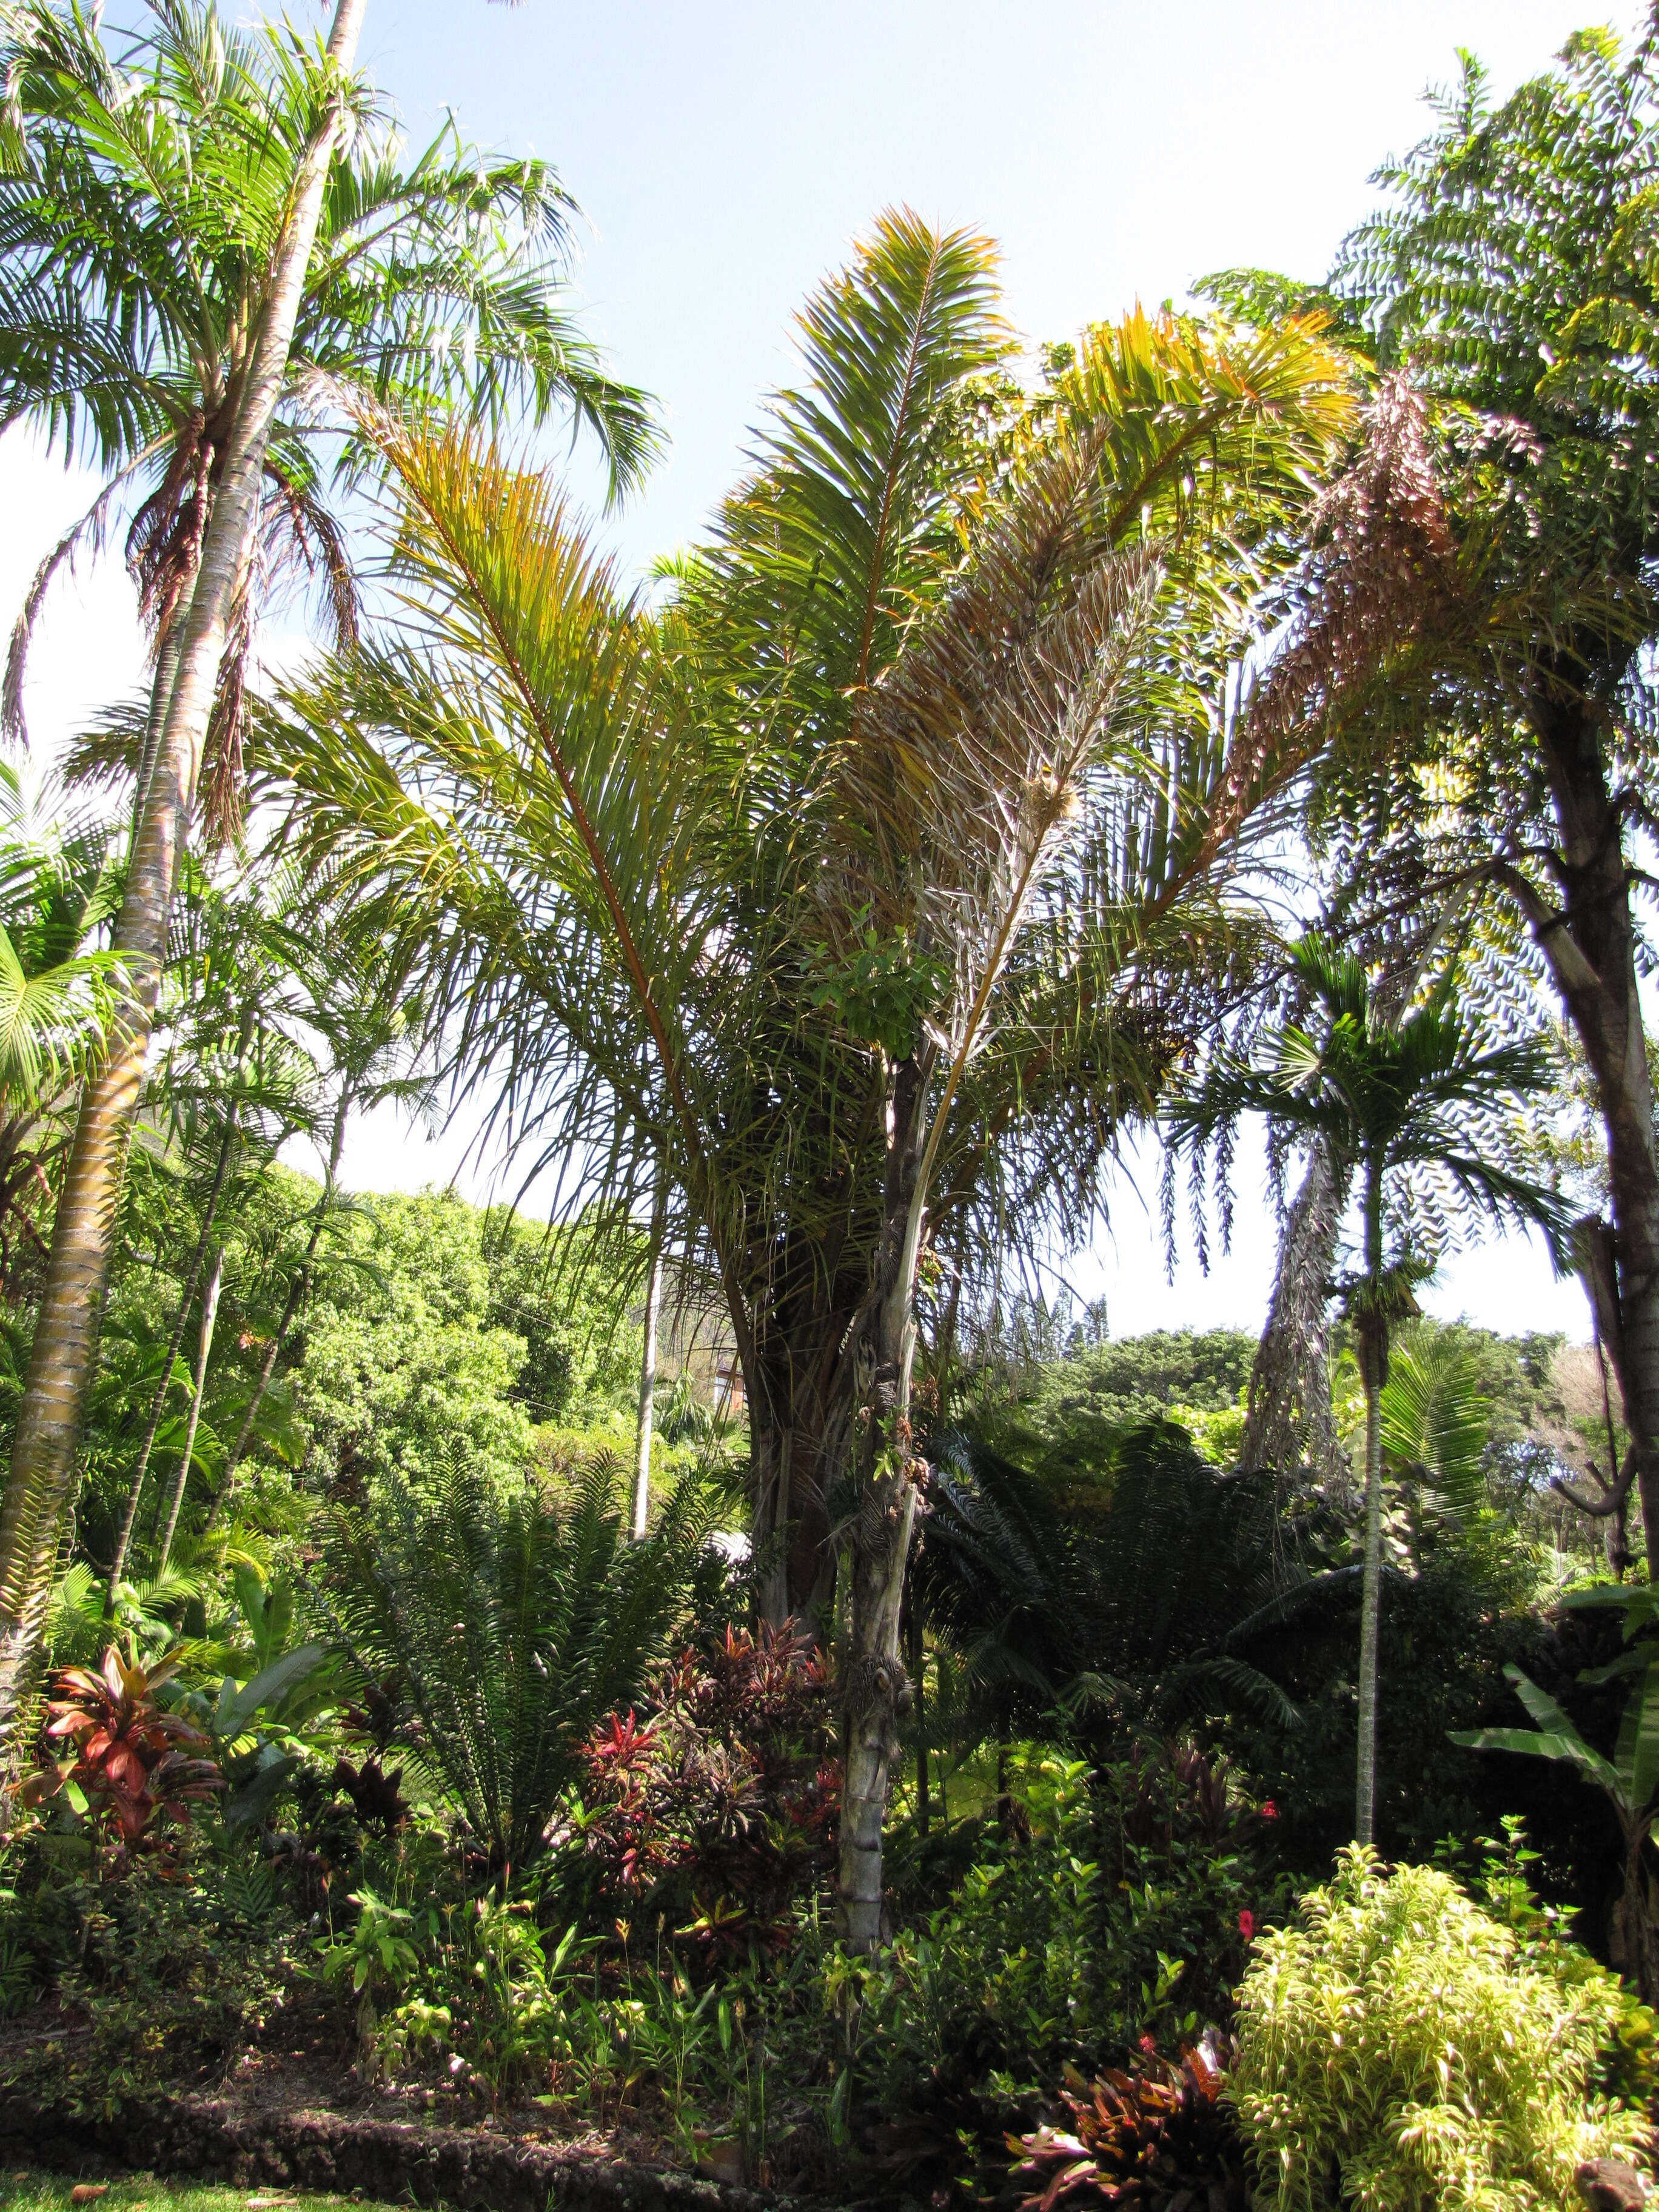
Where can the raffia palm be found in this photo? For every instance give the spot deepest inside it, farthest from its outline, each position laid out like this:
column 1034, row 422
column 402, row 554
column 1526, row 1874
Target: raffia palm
column 945, row 716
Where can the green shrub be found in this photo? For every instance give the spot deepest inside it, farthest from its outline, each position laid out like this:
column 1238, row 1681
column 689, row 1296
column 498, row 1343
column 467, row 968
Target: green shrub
column 1397, row 2051
column 1111, row 1907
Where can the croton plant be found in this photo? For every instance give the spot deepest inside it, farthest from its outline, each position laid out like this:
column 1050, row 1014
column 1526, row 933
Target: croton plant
column 132, row 1763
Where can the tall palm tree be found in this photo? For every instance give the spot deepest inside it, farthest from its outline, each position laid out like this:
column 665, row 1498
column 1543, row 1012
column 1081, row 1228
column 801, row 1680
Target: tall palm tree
column 180, row 261
column 885, row 866
column 1422, row 1098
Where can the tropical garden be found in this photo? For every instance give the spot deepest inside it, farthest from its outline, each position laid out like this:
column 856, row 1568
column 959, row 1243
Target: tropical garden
column 730, row 1671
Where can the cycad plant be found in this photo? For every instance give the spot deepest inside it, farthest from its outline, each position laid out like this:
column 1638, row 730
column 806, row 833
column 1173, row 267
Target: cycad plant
column 1424, row 1097
column 512, row 1626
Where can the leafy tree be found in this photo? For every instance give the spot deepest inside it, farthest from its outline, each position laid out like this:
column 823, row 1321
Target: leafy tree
column 186, row 276
column 1418, row 1096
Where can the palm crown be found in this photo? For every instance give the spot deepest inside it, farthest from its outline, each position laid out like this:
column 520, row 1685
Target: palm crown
column 139, row 214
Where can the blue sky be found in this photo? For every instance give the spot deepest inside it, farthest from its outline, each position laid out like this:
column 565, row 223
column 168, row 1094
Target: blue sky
column 725, row 154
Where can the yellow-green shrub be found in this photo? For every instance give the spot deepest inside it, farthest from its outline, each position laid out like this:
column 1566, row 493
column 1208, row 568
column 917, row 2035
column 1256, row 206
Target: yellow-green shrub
column 1395, row 2053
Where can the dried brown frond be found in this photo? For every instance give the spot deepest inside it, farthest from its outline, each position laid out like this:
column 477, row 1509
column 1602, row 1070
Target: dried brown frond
column 1380, row 577
column 164, row 538
column 219, row 795
column 300, row 532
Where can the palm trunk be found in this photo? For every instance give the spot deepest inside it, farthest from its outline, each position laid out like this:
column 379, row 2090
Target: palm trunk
column 1290, row 1421
column 1636, row 1921
column 209, row 1315
column 298, row 1291
column 648, row 1364
column 1374, row 1370
column 1590, row 945
column 46, row 1440
column 876, row 1689
column 158, row 1403
column 1365, row 1802
column 918, row 1663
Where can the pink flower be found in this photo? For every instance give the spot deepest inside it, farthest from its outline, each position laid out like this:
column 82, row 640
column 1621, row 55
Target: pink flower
column 1269, row 1810
column 1149, row 2045
column 1247, row 1926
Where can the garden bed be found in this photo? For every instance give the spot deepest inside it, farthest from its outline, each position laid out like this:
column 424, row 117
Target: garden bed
column 291, row 2112
column 259, row 2142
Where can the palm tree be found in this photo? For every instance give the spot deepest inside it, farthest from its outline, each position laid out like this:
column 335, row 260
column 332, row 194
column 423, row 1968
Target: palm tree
column 1421, row 1096
column 842, row 882
column 185, row 275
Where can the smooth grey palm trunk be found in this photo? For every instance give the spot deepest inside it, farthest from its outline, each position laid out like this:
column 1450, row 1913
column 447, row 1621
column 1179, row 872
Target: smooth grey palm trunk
column 46, row 1440
column 164, row 1385
column 875, row 1692
column 298, row 1290
column 204, row 1345
column 648, row 1364
column 1372, row 1356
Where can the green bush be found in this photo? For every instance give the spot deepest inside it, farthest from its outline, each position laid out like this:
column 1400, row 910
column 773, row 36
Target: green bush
column 1396, row 2050
column 1109, row 1908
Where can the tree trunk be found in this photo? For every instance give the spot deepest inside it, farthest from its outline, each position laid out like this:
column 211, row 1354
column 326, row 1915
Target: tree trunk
column 298, row 1291
column 876, row 1691
column 46, row 1440
column 1590, row 944
column 648, row 1364
column 917, row 1664
column 1372, row 1358
column 800, row 1420
column 1289, row 1423
column 1373, row 1335
column 1635, row 1946
column 209, row 1315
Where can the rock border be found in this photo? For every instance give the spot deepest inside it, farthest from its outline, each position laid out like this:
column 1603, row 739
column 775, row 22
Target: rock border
column 474, row 2170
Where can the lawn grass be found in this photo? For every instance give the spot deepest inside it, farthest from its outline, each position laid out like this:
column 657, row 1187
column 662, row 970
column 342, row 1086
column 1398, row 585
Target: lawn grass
column 22, row 2191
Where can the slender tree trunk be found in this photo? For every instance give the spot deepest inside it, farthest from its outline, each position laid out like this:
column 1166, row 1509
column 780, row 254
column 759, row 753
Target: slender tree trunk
column 209, row 1315
column 1289, row 1422
column 917, row 1664
column 1373, row 1335
column 1370, row 1611
column 1636, row 1922
column 163, row 1388
column 875, row 1687
column 46, row 1439
column 648, row 1362
column 298, row 1291
column 1590, row 944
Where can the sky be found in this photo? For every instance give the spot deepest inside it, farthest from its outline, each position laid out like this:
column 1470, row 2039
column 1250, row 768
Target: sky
column 725, row 156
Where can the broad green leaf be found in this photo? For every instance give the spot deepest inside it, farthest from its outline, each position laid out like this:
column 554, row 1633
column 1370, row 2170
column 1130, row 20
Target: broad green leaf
column 1638, row 1739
